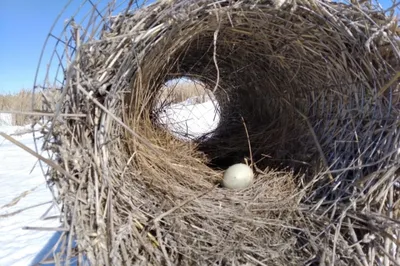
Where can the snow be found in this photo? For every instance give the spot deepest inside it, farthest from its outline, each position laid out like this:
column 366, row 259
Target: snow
column 190, row 119
column 5, row 119
column 24, row 199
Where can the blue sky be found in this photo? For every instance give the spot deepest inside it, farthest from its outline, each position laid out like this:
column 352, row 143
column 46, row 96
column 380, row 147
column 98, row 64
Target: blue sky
column 24, row 25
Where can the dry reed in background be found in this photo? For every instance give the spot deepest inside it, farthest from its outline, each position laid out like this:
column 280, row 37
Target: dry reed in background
column 20, row 102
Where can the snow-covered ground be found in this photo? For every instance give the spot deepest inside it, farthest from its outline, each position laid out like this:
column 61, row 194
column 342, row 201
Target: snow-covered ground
column 24, row 199
column 190, row 119
column 5, row 119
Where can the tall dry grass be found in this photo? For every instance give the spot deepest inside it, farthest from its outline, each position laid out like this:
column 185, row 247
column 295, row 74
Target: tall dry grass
column 178, row 91
column 19, row 102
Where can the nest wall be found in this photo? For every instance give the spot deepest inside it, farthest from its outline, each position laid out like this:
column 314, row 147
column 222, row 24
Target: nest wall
column 310, row 85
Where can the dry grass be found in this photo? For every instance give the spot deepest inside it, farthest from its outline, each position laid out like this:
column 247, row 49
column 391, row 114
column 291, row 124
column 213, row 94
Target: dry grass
column 178, row 91
column 312, row 81
column 20, row 102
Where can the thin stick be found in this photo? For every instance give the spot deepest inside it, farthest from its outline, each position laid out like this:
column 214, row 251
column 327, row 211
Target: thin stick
column 40, row 157
column 57, row 229
column 38, row 113
column 215, row 53
column 24, row 209
column 15, row 200
column 43, row 217
column 69, row 245
column 248, row 142
column 387, row 85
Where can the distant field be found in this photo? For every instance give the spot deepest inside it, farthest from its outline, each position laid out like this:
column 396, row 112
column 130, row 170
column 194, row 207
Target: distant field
column 19, row 102
column 178, row 91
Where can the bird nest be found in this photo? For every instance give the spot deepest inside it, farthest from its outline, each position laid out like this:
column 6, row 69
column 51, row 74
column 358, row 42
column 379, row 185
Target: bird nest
column 307, row 93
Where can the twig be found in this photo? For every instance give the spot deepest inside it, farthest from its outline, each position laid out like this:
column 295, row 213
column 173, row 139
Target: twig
column 38, row 113
column 44, row 215
column 40, row 157
column 215, row 52
column 248, row 143
column 57, row 229
column 387, row 85
column 19, row 197
column 24, row 209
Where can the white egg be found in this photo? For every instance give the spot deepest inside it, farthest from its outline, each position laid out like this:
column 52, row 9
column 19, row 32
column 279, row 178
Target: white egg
column 238, row 176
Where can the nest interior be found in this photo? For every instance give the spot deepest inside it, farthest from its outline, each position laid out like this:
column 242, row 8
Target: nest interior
column 307, row 89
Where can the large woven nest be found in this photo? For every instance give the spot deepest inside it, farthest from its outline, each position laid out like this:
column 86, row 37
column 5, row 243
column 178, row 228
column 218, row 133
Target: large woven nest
column 308, row 91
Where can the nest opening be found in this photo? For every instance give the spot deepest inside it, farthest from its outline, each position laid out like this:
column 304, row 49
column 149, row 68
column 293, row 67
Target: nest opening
column 186, row 108
column 261, row 100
